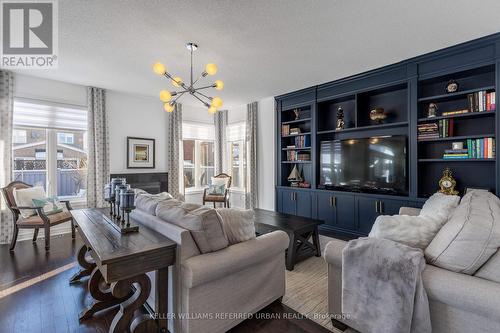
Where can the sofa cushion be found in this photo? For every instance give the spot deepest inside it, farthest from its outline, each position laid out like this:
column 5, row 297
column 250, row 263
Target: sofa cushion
column 471, row 235
column 148, row 202
column 204, row 223
column 491, row 269
column 238, row 224
column 416, row 231
column 439, row 206
column 24, row 198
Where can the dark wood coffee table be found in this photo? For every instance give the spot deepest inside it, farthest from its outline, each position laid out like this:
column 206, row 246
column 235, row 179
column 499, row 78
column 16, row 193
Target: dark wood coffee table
column 299, row 230
column 118, row 270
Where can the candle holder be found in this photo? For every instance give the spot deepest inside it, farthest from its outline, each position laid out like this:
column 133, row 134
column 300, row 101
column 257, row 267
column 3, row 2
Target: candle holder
column 118, row 190
column 113, row 194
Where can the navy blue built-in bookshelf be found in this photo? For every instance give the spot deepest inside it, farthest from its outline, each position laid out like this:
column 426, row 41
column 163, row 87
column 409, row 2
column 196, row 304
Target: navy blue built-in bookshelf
column 405, row 91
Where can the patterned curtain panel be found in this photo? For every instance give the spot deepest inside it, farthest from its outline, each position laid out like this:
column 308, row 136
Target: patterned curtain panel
column 98, row 136
column 6, row 112
column 251, row 199
column 220, row 120
column 174, row 152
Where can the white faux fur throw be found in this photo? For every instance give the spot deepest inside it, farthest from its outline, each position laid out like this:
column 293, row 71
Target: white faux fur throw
column 417, row 231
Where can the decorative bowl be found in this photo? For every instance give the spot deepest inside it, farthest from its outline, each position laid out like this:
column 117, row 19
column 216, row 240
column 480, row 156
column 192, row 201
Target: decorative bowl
column 378, row 114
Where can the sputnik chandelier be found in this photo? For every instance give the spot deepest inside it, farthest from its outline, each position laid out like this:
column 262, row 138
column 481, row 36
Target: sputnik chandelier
column 169, row 98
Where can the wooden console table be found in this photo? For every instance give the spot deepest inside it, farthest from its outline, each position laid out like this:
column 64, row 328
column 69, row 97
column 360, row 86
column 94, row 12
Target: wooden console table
column 119, row 262
column 299, row 230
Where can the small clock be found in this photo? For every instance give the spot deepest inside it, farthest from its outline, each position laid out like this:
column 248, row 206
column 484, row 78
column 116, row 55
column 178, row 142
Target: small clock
column 451, row 86
column 447, row 183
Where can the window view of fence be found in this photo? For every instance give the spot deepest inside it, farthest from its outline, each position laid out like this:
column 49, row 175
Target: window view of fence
column 50, row 147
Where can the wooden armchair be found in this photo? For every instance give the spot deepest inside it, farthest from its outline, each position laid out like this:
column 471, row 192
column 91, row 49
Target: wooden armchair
column 37, row 221
column 207, row 197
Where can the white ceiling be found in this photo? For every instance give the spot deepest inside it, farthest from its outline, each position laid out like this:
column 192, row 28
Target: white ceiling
column 262, row 47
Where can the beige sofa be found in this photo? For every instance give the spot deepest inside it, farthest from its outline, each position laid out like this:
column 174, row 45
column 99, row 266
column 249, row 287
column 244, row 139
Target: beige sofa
column 458, row 302
column 218, row 290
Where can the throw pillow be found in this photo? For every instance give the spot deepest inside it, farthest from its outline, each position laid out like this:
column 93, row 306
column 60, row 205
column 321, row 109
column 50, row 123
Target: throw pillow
column 218, row 181
column 440, row 206
column 50, row 205
column 217, row 189
column 238, row 224
column 204, row 224
column 471, row 235
column 24, row 198
column 148, row 202
column 416, row 231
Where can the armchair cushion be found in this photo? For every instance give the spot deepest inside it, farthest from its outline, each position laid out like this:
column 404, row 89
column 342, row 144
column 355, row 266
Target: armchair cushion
column 24, row 198
column 37, row 220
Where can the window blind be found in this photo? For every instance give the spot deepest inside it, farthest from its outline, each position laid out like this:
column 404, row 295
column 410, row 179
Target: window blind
column 235, row 132
column 45, row 114
column 198, row 131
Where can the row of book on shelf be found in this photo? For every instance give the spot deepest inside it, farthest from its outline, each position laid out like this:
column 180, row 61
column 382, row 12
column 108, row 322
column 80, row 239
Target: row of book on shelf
column 476, row 148
column 293, row 155
column 287, row 130
column 442, row 128
column 481, row 101
column 301, row 141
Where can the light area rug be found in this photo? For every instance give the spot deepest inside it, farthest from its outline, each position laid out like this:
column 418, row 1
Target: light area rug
column 307, row 289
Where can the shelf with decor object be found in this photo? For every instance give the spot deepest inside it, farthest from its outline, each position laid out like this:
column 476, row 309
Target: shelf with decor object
column 459, row 94
column 295, row 148
column 459, row 116
column 430, row 160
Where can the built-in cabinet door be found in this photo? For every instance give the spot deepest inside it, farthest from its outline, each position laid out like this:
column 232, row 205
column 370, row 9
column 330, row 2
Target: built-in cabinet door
column 288, row 205
column 303, row 203
column 369, row 208
column 390, row 206
column 336, row 210
column 325, row 208
column 345, row 216
column 367, row 212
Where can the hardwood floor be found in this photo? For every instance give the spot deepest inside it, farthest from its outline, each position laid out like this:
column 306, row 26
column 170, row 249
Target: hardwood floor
column 35, row 295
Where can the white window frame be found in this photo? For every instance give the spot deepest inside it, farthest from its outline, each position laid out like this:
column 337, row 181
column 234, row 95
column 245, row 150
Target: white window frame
column 235, row 133
column 62, row 137
column 199, row 133
column 18, row 138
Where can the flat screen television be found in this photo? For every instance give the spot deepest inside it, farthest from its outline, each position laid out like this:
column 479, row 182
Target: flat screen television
column 376, row 164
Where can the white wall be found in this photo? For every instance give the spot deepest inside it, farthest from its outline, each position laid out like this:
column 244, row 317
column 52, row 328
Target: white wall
column 49, row 90
column 136, row 116
column 266, row 147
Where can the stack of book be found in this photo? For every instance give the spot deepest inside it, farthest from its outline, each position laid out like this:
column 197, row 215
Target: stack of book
column 481, row 148
column 294, row 131
column 428, row 131
column 481, row 101
column 285, row 130
column 297, row 156
column 443, row 128
column 456, row 153
column 302, row 141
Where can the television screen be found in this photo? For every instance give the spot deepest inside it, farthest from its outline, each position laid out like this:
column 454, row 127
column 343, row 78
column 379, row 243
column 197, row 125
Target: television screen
column 377, row 164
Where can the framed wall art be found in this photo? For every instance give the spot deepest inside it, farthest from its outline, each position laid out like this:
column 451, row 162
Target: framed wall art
column 140, row 153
